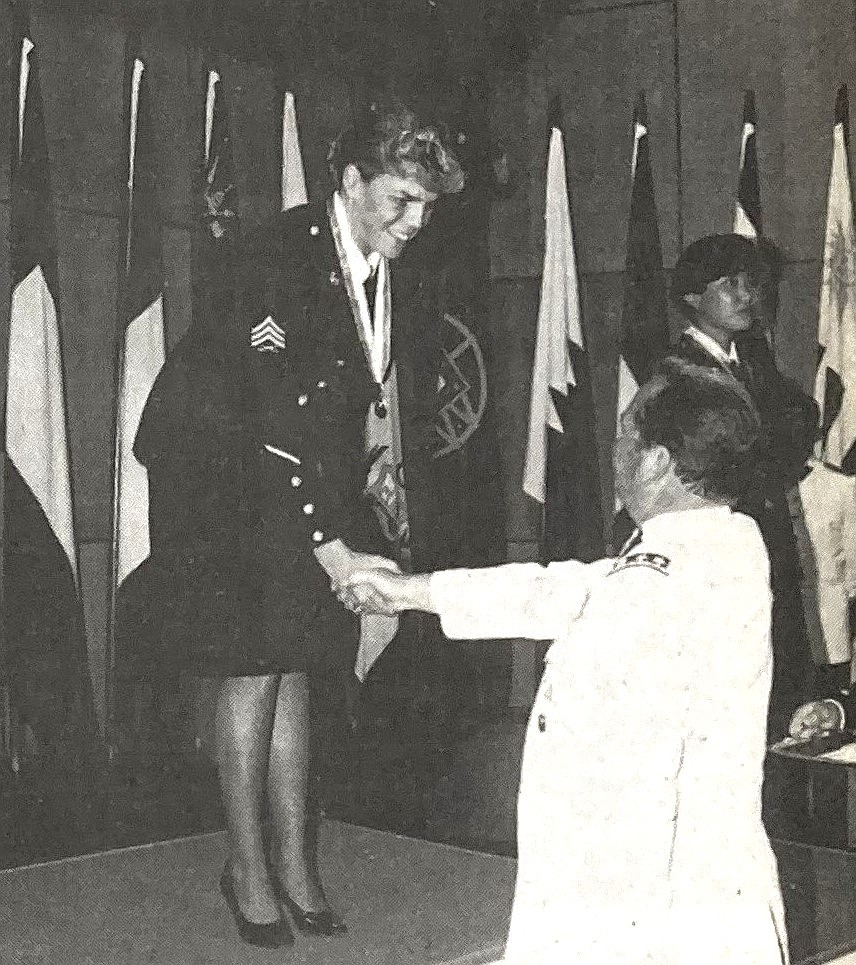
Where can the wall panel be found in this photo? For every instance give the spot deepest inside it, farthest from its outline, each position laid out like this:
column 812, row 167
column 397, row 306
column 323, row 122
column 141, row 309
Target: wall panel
column 817, row 53
column 597, row 62
column 725, row 48
column 82, row 71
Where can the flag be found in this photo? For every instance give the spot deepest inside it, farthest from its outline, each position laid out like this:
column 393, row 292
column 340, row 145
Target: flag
column 141, row 343
column 293, row 178
column 561, row 468
column 50, row 687
column 215, row 244
column 747, row 208
column 644, row 320
column 835, row 383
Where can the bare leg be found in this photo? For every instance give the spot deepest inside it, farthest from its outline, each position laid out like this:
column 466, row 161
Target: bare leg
column 288, row 784
column 245, row 713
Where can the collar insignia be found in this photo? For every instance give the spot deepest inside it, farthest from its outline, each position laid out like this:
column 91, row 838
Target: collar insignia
column 652, row 561
column 267, row 336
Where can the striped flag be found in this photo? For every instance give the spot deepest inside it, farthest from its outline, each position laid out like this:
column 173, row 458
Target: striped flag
column 644, row 320
column 747, row 208
column 835, row 384
column 142, row 343
column 293, row 178
column 561, row 468
column 51, row 692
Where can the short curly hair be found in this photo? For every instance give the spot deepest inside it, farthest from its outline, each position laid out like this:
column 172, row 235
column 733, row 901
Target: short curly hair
column 709, row 425
column 387, row 137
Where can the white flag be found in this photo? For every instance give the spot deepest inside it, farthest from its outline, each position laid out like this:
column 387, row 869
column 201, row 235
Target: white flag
column 143, row 348
column 835, row 385
column 293, row 178
column 36, row 430
column 559, row 321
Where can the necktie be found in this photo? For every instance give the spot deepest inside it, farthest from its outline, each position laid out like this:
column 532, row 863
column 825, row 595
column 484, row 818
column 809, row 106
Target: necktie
column 370, row 286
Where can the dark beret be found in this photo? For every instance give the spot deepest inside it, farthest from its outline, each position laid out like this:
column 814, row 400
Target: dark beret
column 711, row 258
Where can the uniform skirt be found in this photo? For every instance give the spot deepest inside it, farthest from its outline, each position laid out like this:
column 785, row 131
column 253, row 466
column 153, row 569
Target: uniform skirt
column 218, row 618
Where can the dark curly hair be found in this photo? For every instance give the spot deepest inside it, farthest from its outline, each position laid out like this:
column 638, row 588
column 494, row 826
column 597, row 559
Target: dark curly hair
column 709, row 425
column 388, row 137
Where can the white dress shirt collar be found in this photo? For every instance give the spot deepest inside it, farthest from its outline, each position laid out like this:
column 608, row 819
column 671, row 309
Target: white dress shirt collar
column 713, row 347
column 361, row 267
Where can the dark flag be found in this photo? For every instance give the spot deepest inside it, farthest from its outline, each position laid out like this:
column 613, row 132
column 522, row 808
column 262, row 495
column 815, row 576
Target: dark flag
column 216, row 242
column 747, row 210
column 561, row 469
column 644, row 319
column 141, row 349
column 50, row 687
column 835, row 383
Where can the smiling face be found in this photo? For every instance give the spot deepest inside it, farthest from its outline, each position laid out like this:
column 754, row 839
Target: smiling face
column 386, row 211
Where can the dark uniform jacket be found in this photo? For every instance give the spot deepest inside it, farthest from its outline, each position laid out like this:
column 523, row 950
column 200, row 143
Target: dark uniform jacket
column 253, row 440
column 788, row 424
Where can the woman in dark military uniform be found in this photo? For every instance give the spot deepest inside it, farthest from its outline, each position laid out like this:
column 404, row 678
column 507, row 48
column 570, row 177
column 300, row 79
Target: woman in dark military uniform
column 258, row 463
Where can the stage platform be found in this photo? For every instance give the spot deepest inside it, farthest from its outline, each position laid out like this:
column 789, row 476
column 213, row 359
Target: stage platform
column 407, row 902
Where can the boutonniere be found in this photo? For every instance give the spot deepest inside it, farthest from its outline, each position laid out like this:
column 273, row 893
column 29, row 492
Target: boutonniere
column 335, row 278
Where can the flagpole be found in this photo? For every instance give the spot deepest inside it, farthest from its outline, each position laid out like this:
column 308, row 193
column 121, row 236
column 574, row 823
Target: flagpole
column 119, row 368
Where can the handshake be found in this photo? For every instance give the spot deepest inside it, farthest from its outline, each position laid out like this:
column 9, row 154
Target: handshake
column 366, row 583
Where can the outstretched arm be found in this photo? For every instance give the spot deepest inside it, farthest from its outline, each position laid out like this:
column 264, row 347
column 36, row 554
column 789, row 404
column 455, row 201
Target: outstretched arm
column 514, row 600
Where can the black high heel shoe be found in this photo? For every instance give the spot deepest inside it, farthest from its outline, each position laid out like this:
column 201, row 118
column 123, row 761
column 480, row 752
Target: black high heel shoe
column 275, row 934
column 310, row 922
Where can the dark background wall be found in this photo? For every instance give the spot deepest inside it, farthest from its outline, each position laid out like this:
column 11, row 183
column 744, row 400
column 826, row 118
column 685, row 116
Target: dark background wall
column 491, row 67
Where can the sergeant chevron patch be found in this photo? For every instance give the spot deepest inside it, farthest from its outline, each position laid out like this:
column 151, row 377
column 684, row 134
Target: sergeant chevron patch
column 653, row 561
column 267, row 336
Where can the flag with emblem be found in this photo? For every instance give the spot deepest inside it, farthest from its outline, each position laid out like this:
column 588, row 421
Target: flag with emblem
column 293, row 178
column 644, row 319
column 141, row 342
column 215, row 243
column 747, row 208
column 561, row 466
column 835, row 383
column 50, row 694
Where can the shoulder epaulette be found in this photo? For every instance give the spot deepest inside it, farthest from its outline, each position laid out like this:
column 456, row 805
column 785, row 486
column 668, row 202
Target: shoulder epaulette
column 653, row 561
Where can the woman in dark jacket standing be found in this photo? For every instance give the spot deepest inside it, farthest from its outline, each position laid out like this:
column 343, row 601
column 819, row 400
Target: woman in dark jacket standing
column 258, row 460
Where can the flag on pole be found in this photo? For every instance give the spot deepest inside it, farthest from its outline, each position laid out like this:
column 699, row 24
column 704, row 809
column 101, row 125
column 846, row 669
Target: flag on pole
column 561, row 467
column 51, row 693
column 644, row 320
column 215, row 244
column 747, row 208
column 293, row 178
column 835, row 383
column 142, row 342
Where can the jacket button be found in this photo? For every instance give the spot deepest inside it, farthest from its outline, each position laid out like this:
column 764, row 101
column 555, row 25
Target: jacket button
column 313, row 230
column 302, row 399
column 309, row 509
column 321, row 384
column 296, row 481
column 340, row 363
column 542, row 723
column 317, row 536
